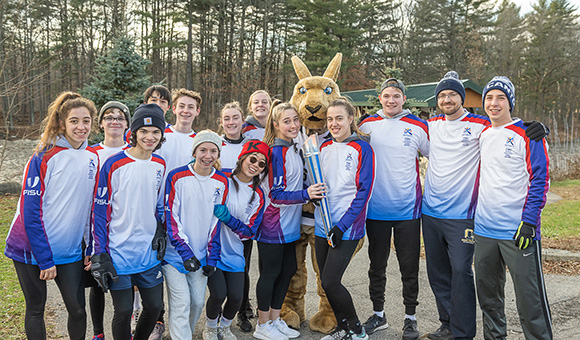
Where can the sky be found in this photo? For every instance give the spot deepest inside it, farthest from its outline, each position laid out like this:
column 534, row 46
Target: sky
column 526, row 5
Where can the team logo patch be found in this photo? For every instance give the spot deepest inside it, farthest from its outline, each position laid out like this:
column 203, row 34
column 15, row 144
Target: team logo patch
column 158, row 178
column 216, row 195
column 348, row 162
column 407, row 135
column 92, row 168
column 101, row 192
column 31, row 183
column 509, row 141
column 147, row 121
column 509, row 147
column 468, row 237
column 467, row 130
column 465, row 136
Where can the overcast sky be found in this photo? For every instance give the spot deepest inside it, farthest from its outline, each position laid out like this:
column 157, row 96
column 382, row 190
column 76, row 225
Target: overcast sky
column 526, row 5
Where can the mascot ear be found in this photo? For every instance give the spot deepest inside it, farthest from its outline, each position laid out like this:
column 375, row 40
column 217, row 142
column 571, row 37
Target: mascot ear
column 333, row 68
column 300, row 68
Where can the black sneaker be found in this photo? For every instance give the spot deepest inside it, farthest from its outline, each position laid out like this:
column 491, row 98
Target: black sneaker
column 442, row 333
column 375, row 323
column 244, row 324
column 410, row 330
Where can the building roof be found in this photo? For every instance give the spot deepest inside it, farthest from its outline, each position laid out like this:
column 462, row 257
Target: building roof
column 418, row 95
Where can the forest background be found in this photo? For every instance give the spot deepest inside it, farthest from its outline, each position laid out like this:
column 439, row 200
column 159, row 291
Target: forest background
column 226, row 49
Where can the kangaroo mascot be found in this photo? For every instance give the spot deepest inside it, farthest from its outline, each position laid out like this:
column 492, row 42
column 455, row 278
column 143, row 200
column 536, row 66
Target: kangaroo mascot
column 311, row 96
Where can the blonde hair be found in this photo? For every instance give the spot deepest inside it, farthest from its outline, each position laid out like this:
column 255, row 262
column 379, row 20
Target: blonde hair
column 252, row 98
column 58, row 112
column 351, row 111
column 274, row 116
column 185, row 93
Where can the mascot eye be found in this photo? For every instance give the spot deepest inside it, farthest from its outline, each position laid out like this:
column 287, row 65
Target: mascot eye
column 328, row 90
column 302, row 90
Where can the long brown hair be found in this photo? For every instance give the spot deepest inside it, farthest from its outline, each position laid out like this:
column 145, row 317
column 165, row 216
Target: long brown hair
column 274, row 116
column 58, row 112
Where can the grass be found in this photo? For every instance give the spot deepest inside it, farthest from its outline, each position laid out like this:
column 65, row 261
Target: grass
column 562, row 219
column 11, row 299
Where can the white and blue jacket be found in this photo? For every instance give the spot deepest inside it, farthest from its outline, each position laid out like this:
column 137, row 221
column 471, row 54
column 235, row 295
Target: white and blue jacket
column 396, row 141
column 128, row 203
column 514, row 181
column 285, row 195
column 192, row 228
column 349, row 171
column 452, row 178
column 54, row 207
column 245, row 218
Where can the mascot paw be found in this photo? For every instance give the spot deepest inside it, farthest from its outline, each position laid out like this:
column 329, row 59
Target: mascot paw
column 291, row 318
column 323, row 322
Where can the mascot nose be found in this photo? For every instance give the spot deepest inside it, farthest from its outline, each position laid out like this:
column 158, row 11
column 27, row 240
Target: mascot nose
column 313, row 110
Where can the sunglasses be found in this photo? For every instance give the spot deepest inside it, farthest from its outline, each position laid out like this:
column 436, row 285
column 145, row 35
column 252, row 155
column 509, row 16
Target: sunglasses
column 254, row 159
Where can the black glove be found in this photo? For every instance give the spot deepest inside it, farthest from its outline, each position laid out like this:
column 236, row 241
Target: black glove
column 536, row 130
column 208, row 270
column 159, row 241
column 192, row 264
column 102, row 269
column 524, row 236
column 335, row 236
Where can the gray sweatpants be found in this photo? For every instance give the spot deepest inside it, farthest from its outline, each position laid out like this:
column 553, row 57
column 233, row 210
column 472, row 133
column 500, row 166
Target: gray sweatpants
column 525, row 267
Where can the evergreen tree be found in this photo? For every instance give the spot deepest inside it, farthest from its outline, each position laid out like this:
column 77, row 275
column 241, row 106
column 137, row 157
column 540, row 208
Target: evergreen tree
column 119, row 75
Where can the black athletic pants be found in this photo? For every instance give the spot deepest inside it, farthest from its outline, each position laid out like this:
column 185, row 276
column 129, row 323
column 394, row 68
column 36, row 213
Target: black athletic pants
column 332, row 263
column 278, row 266
column 152, row 299
column 69, row 279
column 449, row 246
column 224, row 285
column 407, row 239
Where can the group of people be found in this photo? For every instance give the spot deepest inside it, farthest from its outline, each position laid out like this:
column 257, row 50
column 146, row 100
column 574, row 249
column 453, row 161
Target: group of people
column 157, row 204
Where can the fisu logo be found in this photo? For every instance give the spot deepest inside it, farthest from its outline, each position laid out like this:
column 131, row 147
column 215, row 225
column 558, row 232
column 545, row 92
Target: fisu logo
column 101, row 192
column 32, row 182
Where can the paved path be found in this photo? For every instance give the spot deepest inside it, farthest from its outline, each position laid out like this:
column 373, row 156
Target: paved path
column 563, row 294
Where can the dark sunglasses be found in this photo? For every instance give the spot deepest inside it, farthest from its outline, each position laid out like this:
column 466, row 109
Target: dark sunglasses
column 254, row 159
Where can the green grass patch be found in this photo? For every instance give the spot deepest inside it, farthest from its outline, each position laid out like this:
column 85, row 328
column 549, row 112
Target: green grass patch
column 561, row 219
column 11, row 298
column 565, row 183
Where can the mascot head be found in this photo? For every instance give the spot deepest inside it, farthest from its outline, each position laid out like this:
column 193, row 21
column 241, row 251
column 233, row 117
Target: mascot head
column 312, row 95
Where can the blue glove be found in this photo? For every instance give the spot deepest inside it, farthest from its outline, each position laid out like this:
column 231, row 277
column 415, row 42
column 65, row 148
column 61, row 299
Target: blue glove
column 222, row 212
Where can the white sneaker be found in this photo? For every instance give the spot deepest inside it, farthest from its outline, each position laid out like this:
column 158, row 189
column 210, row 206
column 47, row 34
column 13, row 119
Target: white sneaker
column 226, row 333
column 134, row 319
column 157, row 333
column 268, row 331
column 335, row 334
column 284, row 329
column 210, row 333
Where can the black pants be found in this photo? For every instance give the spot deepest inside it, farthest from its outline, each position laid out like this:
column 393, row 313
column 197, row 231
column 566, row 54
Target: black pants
column 278, row 266
column 407, row 239
column 224, row 285
column 449, row 246
column 69, row 279
column 152, row 299
column 245, row 307
column 332, row 263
